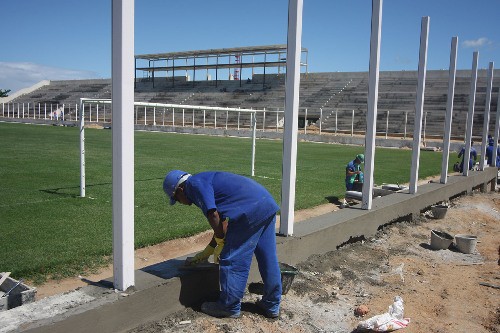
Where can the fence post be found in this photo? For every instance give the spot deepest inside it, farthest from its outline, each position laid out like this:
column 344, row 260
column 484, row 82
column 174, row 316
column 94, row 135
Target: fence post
column 227, row 116
column 97, row 112
column 336, row 117
column 238, row 120
column 145, row 116
column 254, row 134
column 387, row 125
column 406, row 122
column 352, row 123
column 320, row 119
column 204, row 116
column 173, row 117
column 305, row 122
column 163, row 118
column 264, row 120
column 193, row 118
column 215, row 119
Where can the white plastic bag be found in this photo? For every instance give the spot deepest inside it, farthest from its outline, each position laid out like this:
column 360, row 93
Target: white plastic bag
column 389, row 321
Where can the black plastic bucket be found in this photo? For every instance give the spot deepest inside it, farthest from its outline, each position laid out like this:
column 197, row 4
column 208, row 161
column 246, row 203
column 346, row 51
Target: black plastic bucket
column 287, row 275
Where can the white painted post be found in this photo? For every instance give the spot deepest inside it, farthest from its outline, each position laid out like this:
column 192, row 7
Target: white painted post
column 97, row 112
column 123, row 142
column 449, row 110
column 82, row 150
column 305, row 122
column 291, row 116
column 173, row 116
column 154, row 115
column 90, row 113
column 227, row 116
column 495, row 135
column 183, row 120
column 336, row 117
column 371, row 116
column 419, row 107
column 352, row 123
column 204, row 117
column 470, row 114
column 424, row 128
column 62, row 113
column 104, row 106
column 264, row 120
column 38, row 110
column 23, row 111
column 45, row 110
column 18, row 110
column 387, row 125
column 320, row 119
column 254, row 135
column 145, row 116
column 193, row 118
column 486, row 121
column 136, row 116
column 215, row 119
column 406, row 122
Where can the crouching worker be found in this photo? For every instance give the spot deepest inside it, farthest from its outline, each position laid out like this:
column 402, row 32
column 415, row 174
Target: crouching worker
column 354, row 177
column 250, row 212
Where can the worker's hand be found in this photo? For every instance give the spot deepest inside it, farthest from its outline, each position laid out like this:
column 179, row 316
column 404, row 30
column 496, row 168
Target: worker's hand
column 202, row 256
column 218, row 248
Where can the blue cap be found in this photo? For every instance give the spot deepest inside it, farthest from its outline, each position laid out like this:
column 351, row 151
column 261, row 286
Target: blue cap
column 172, row 180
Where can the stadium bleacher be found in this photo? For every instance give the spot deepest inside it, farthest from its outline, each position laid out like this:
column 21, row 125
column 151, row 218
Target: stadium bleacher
column 329, row 98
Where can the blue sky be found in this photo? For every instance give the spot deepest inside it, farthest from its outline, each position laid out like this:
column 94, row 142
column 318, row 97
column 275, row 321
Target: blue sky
column 71, row 39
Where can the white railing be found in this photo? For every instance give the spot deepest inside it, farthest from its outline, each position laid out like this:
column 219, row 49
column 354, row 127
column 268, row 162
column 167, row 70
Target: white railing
column 336, row 121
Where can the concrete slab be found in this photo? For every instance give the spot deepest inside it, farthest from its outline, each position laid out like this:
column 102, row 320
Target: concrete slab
column 163, row 288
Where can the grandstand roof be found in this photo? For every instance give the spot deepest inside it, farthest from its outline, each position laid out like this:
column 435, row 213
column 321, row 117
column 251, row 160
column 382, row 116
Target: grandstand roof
column 223, row 59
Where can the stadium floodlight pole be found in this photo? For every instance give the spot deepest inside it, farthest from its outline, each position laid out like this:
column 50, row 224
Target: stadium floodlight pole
column 495, row 135
column 123, row 142
column 449, row 110
column 371, row 116
column 486, row 120
column 289, row 166
column 82, row 150
column 470, row 114
column 419, row 107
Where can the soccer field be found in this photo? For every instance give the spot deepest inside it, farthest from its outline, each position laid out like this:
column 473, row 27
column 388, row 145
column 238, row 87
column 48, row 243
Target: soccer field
column 49, row 231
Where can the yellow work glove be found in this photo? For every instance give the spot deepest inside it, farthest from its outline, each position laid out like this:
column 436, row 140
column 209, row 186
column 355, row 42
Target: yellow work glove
column 202, row 256
column 218, row 248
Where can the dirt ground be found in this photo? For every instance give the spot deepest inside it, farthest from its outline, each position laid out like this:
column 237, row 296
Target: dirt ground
column 441, row 289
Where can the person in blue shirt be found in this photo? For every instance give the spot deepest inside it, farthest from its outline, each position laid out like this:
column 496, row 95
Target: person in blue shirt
column 489, row 152
column 353, row 174
column 472, row 158
column 242, row 214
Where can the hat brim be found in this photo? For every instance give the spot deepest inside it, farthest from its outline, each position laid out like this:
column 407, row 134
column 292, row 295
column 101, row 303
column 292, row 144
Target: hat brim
column 172, row 201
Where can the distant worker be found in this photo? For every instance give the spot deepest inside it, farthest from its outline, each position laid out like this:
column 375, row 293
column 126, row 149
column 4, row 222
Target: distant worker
column 489, row 152
column 242, row 214
column 354, row 177
column 472, row 158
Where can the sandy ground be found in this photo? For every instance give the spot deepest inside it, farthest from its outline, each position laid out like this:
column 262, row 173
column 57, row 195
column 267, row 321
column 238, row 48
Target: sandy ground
column 441, row 289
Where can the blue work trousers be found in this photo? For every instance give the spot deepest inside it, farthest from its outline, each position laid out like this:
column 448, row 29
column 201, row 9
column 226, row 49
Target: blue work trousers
column 242, row 241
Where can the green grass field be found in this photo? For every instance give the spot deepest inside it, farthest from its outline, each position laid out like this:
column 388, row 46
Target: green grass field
column 49, row 231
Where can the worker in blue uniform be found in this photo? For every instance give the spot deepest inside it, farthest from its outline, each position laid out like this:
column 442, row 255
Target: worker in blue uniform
column 472, row 157
column 353, row 174
column 489, row 152
column 242, row 214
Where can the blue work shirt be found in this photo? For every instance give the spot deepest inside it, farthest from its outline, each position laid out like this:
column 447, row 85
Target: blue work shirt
column 233, row 196
column 353, row 167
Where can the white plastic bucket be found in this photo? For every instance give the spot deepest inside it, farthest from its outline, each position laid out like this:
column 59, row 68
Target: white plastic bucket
column 466, row 243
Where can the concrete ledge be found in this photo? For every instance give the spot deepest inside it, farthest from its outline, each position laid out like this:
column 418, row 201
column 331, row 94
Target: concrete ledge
column 162, row 289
